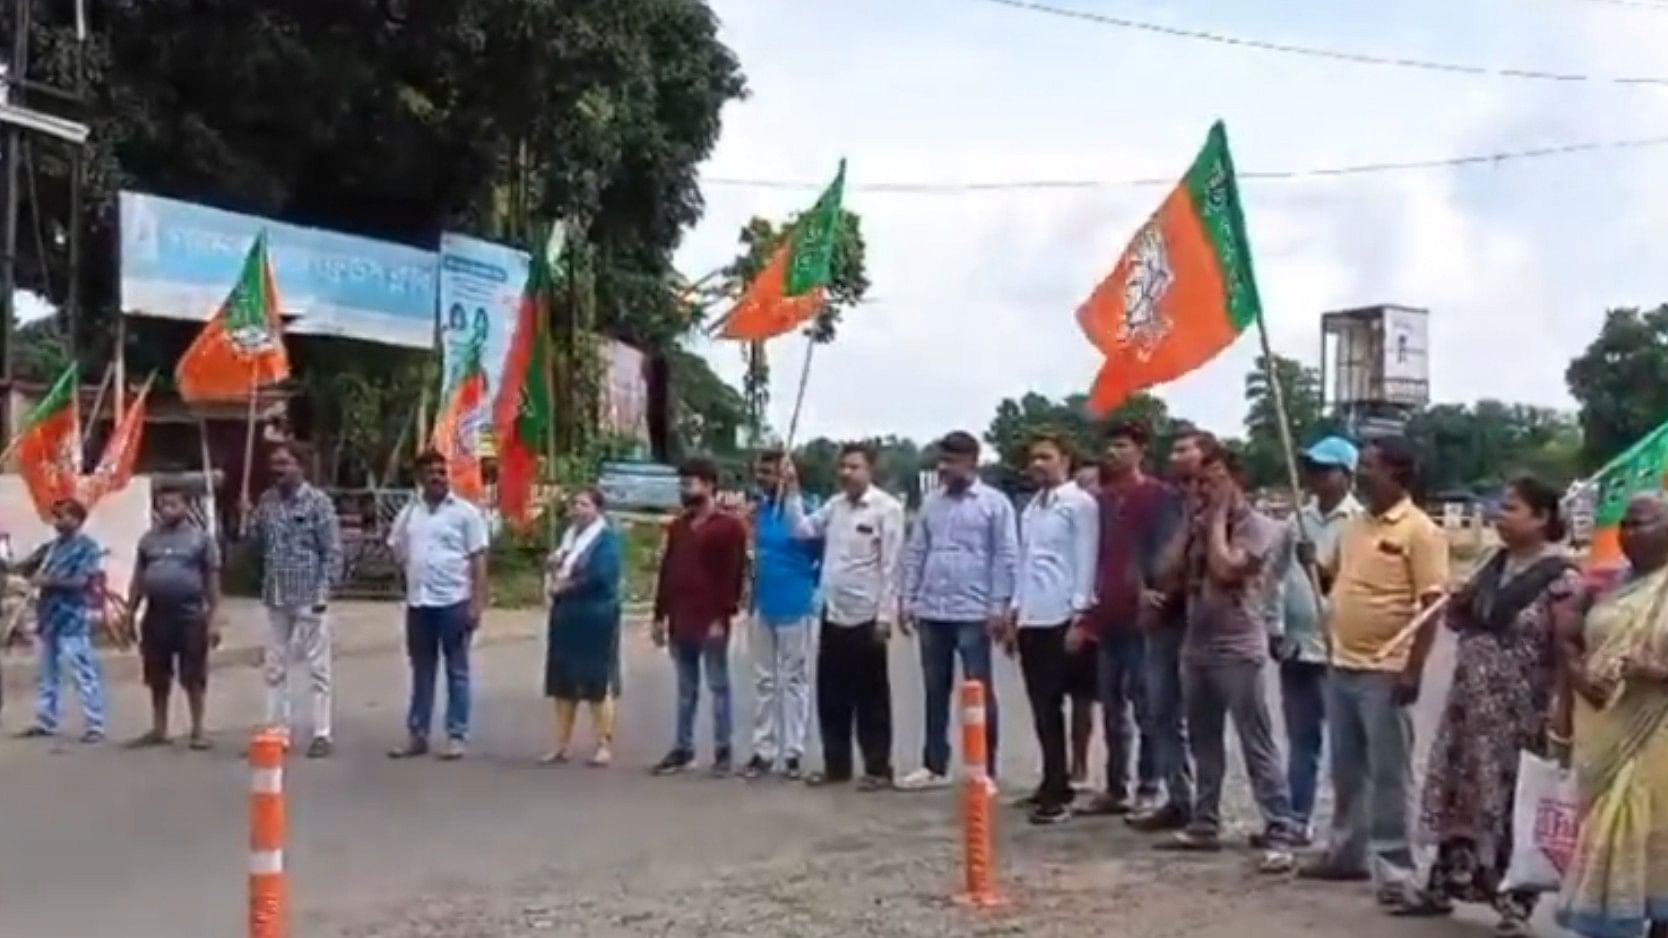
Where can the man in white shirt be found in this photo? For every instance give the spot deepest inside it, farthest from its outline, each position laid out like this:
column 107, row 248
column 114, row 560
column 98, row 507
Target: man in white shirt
column 441, row 543
column 1059, row 534
column 863, row 529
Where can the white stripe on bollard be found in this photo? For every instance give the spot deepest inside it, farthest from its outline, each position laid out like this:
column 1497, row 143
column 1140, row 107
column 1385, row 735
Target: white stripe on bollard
column 266, row 862
column 266, row 781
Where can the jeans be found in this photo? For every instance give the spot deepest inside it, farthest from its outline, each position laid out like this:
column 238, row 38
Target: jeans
column 1233, row 690
column 431, row 631
column 1042, row 658
column 75, row 651
column 854, row 688
column 1121, row 659
column 691, row 658
column 941, row 644
column 1166, row 715
column 1303, row 705
column 290, row 631
column 1372, row 771
column 781, row 688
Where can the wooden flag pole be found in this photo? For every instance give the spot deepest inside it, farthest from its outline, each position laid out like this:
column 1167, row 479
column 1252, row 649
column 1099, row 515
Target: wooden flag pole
column 248, row 462
column 1283, row 421
column 804, row 380
column 211, row 511
column 98, row 403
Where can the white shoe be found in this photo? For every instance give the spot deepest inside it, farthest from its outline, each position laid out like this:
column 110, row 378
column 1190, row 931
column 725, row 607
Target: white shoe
column 923, row 779
column 991, row 787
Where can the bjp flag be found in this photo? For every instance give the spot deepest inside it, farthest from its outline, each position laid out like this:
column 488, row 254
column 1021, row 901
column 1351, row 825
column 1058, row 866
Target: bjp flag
column 1182, row 290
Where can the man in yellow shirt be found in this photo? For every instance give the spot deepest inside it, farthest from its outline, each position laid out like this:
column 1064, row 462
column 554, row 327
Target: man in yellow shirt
column 1392, row 565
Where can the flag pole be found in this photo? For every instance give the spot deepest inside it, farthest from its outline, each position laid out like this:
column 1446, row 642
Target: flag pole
column 211, row 514
column 804, row 380
column 98, row 404
column 248, row 461
column 1289, row 449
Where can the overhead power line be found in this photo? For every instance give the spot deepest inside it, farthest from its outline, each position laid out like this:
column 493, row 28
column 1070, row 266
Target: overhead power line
column 1279, row 175
column 1336, row 55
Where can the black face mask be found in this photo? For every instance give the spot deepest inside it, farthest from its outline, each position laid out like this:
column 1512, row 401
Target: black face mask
column 692, row 499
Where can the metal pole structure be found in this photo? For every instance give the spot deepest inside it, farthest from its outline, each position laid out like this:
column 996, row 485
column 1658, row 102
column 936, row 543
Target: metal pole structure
column 17, row 72
column 72, row 298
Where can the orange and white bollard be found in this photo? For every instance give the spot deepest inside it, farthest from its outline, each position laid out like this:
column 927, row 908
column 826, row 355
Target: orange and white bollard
column 268, row 901
column 978, row 855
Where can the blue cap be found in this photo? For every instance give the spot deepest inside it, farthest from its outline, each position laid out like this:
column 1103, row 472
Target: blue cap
column 1334, row 451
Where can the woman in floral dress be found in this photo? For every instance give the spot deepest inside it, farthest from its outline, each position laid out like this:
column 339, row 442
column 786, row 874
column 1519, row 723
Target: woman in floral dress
column 1505, row 678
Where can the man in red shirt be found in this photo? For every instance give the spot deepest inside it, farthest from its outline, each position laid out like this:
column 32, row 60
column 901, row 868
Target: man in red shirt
column 699, row 593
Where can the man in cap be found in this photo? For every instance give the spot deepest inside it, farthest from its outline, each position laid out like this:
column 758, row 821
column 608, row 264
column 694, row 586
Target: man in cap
column 1306, row 553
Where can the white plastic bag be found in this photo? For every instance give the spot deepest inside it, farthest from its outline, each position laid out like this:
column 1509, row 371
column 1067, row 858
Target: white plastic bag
column 1544, row 825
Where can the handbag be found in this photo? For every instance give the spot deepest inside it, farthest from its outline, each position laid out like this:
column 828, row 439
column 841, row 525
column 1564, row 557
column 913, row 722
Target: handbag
column 1545, row 822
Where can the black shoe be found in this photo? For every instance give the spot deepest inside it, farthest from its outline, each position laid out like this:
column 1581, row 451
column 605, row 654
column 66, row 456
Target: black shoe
column 1171, row 817
column 873, row 783
column 721, row 763
column 320, row 748
column 1105, row 805
column 676, row 761
column 1028, row 800
column 1050, row 813
column 755, row 768
column 414, row 747
column 791, row 770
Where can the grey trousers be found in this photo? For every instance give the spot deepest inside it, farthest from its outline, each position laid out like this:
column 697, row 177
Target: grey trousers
column 1216, row 693
column 1372, row 772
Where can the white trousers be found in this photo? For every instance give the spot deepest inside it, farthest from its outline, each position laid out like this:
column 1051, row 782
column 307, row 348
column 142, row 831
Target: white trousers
column 781, row 688
column 293, row 634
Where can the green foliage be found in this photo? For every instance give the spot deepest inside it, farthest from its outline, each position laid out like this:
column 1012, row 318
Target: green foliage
column 898, row 464
column 1263, row 452
column 1619, row 381
column 1468, row 448
column 1015, row 422
column 708, row 413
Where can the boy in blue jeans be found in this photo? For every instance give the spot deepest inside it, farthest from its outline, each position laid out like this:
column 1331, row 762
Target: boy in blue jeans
column 63, row 576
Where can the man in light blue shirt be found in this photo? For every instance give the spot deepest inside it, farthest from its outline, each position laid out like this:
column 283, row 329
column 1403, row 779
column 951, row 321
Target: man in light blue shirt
column 1059, row 539
column 1295, row 613
column 958, row 572
column 441, row 542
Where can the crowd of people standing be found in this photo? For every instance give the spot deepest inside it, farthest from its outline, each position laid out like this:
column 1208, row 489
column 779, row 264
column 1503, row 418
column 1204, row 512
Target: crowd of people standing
column 1159, row 601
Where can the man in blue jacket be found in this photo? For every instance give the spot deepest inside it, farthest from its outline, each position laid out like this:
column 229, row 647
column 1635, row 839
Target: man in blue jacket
column 784, row 580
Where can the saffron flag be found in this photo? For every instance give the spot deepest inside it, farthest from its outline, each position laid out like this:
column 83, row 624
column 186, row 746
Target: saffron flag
column 1642, row 467
column 522, row 410
column 49, row 445
column 793, row 284
column 121, row 453
column 1182, row 290
column 457, row 434
column 242, row 347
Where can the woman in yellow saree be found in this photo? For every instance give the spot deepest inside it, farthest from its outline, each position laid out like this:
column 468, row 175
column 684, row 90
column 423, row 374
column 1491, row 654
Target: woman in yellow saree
column 1616, row 885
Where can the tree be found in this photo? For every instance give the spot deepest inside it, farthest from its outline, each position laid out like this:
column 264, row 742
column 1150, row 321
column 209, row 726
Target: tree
column 394, row 120
column 1474, row 448
column 1264, row 452
column 1016, row 421
column 1619, row 382
column 898, row 464
column 848, row 283
column 709, row 414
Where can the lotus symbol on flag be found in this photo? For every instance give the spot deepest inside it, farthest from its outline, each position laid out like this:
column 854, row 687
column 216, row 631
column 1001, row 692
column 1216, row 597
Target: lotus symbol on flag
column 252, row 339
column 468, row 437
column 1147, row 279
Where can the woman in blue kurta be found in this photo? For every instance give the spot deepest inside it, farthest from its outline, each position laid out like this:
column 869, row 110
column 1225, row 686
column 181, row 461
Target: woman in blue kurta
column 583, row 578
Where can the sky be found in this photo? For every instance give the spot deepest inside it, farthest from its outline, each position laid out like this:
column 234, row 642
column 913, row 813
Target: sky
column 973, row 294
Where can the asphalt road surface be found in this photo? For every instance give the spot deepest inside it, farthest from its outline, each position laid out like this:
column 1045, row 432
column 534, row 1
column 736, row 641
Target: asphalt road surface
column 97, row 842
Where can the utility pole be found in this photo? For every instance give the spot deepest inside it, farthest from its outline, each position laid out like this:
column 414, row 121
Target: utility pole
column 21, row 125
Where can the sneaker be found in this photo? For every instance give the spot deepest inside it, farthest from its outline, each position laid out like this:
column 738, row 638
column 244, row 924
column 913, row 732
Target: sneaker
column 603, row 757
column 1171, row 817
column 1270, row 838
column 721, row 763
column 678, row 760
column 454, row 750
column 1106, row 805
column 92, row 737
column 414, row 747
column 1192, row 840
column 791, row 770
column 874, row 783
column 320, row 748
column 1048, row 814
column 755, row 768
column 923, row 779
column 1276, row 861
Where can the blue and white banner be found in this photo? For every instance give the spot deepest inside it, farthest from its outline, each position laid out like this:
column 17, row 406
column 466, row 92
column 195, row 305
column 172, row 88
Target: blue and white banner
column 179, row 259
column 480, row 292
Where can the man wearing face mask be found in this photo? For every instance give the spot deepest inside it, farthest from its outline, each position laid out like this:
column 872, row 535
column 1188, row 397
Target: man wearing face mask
column 958, row 572
column 698, row 595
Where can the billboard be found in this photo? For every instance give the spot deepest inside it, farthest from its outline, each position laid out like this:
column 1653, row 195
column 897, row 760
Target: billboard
column 179, row 259
column 1406, row 356
column 480, row 291
column 625, row 399
column 1378, row 355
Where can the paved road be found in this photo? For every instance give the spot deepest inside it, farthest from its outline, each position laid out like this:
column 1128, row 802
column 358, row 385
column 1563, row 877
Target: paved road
column 98, row 842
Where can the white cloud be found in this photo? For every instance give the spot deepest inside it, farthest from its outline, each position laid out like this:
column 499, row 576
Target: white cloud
column 975, row 292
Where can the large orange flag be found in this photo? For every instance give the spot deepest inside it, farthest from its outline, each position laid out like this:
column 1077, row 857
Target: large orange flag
column 457, row 434
column 121, row 453
column 793, row 284
column 242, row 347
column 1182, row 290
